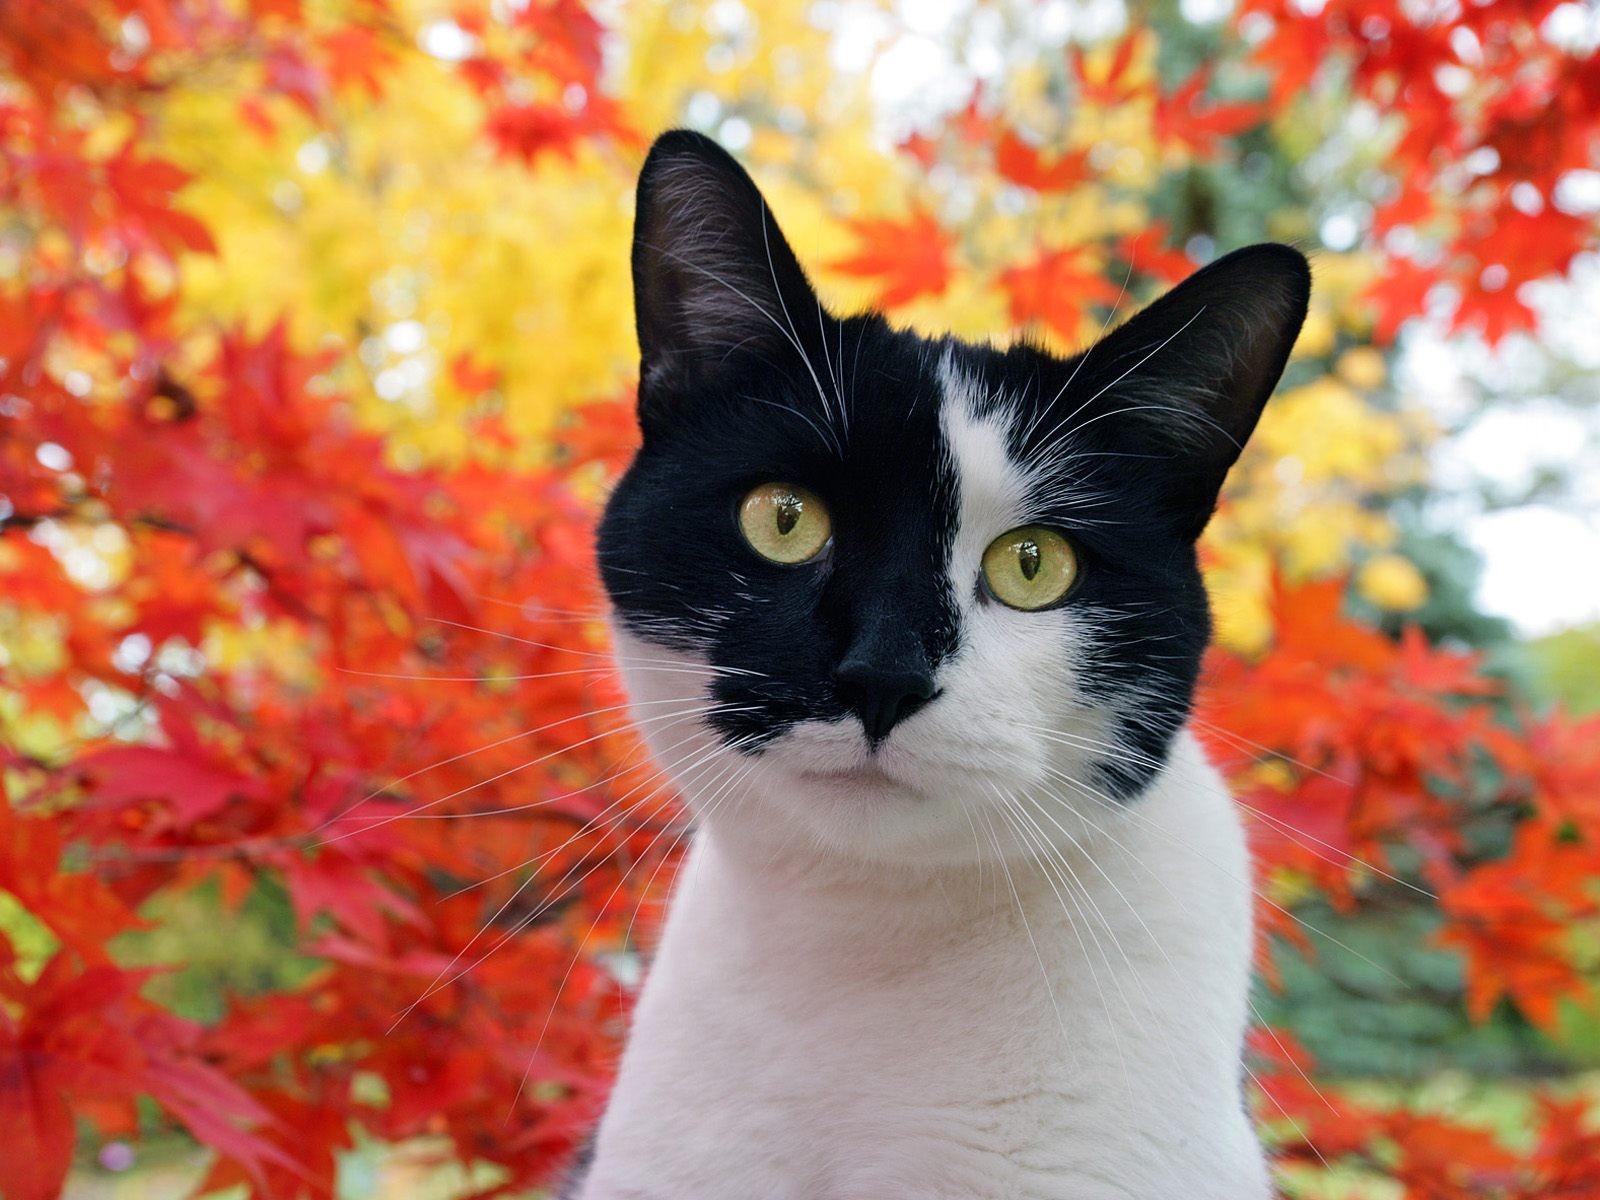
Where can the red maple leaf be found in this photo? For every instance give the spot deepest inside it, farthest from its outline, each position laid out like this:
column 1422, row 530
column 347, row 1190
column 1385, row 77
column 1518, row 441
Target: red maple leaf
column 1027, row 166
column 1188, row 118
column 1515, row 942
column 1058, row 288
column 1150, row 252
column 357, row 58
column 1400, row 294
column 910, row 257
column 1111, row 84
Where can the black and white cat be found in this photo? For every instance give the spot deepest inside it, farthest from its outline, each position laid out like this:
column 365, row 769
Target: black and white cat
column 967, row 913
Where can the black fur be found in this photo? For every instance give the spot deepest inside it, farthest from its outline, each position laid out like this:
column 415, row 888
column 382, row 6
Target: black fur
column 577, row 1171
column 746, row 379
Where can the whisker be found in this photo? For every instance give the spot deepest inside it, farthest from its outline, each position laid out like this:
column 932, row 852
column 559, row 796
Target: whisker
column 1293, row 832
column 1066, row 420
column 676, row 670
column 1155, row 876
column 521, row 925
column 1044, row 972
column 1079, row 365
column 609, row 655
column 1043, row 845
column 1132, row 813
column 605, row 733
column 788, row 408
column 1011, row 812
column 535, row 611
column 630, row 764
column 1265, row 751
column 789, row 334
column 345, row 814
column 741, row 772
column 612, row 814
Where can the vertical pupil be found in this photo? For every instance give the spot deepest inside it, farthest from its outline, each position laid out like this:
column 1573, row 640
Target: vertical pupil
column 788, row 515
column 1028, row 558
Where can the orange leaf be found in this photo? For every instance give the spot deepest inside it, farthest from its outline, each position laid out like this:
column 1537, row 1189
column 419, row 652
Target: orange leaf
column 1057, row 288
column 910, row 257
column 1027, row 167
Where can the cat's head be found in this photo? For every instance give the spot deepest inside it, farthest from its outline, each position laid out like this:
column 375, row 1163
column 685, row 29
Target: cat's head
column 868, row 585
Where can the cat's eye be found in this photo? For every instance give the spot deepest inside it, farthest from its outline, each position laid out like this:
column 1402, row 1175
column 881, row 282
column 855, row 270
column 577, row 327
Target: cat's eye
column 1030, row 567
column 784, row 523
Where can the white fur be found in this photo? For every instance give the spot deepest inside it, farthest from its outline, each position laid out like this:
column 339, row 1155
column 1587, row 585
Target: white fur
column 950, row 968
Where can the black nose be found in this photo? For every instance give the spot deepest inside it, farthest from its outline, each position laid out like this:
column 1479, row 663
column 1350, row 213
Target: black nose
column 882, row 695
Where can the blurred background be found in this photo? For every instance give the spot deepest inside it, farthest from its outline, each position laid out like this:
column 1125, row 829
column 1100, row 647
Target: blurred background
column 325, row 858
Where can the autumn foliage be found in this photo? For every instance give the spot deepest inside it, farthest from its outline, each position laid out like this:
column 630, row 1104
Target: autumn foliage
column 264, row 628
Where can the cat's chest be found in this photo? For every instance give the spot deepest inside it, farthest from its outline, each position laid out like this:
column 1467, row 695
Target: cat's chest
column 828, row 1131
column 869, row 1018
column 872, row 1063
column 733, row 1138
column 805, row 1048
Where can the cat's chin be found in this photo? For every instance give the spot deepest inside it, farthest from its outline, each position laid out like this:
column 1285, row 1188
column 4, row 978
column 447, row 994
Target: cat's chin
column 844, row 790
column 867, row 813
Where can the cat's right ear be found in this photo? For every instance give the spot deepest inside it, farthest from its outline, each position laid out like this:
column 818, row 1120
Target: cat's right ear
column 714, row 280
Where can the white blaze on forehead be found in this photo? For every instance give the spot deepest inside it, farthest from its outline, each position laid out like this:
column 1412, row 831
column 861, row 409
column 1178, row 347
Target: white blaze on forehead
column 991, row 490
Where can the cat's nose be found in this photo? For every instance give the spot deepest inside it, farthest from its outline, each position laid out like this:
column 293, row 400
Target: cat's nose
column 883, row 694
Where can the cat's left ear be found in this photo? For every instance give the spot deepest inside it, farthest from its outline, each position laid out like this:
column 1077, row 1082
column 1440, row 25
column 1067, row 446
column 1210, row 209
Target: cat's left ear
column 1184, row 380
column 714, row 280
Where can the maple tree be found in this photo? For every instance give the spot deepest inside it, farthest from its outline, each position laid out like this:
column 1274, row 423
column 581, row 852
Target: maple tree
column 314, row 361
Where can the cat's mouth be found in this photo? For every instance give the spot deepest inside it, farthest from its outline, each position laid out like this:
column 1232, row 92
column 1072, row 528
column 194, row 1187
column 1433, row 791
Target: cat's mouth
column 835, row 758
column 869, row 774
column 864, row 778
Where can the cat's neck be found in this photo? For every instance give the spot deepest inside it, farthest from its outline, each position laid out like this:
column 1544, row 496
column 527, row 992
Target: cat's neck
column 816, row 898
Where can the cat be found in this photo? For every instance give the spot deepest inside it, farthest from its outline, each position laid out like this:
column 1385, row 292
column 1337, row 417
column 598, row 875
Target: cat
column 915, row 625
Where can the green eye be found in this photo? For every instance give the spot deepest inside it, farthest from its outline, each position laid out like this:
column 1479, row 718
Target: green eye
column 1030, row 567
column 784, row 523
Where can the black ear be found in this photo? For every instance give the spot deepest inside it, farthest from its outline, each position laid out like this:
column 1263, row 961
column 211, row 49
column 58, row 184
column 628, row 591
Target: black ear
column 1184, row 380
column 714, row 280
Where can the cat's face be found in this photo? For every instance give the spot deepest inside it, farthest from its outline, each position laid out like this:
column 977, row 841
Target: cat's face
column 872, row 589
